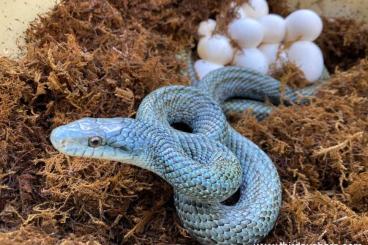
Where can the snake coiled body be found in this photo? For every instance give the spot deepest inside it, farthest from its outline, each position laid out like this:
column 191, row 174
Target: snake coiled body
column 205, row 166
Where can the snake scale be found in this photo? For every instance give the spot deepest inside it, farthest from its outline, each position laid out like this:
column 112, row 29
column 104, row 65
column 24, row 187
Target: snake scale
column 205, row 166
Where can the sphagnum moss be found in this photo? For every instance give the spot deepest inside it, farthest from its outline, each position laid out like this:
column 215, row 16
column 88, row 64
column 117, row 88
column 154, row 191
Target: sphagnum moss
column 100, row 58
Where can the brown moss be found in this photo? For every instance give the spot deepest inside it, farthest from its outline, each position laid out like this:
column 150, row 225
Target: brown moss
column 321, row 154
column 100, row 58
column 344, row 42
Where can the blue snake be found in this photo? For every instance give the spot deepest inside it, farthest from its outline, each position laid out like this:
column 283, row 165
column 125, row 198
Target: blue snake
column 205, row 166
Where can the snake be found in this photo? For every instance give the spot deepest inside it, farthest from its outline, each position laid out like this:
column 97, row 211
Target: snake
column 207, row 163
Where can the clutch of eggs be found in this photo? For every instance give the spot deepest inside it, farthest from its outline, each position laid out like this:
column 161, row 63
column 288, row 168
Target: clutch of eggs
column 263, row 41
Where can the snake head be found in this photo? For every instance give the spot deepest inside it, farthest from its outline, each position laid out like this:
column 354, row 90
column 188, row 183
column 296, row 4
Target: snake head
column 95, row 138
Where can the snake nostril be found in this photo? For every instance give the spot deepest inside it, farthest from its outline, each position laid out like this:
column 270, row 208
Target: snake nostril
column 182, row 127
column 231, row 201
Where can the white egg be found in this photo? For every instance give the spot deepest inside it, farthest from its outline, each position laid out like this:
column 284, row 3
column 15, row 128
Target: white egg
column 252, row 58
column 308, row 57
column 270, row 51
column 303, row 25
column 216, row 49
column 206, row 27
column 276, row 55
column 256, row 8
column 203, row 67
column 248, row 33
column 240, row 13
column 274, row 27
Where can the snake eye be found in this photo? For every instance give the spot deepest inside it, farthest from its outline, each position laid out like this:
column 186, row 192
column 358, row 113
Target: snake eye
column 95, row 141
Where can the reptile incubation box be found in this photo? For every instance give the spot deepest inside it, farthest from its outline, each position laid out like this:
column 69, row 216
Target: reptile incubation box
column 15, row 18
column 66, row 60
column 354, row 9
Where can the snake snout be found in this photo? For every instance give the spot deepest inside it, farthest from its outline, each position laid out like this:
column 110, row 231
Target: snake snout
column 57, row 138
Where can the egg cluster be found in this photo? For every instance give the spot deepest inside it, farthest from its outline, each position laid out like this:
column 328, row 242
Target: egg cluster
column 264, row 42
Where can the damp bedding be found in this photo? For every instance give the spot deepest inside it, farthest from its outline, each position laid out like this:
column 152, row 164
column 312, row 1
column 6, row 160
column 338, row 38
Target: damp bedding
column 81, row 49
